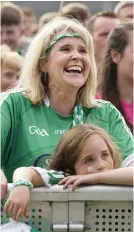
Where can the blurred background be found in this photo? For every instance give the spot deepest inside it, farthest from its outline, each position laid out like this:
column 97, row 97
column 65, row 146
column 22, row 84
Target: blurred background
column 41, row 7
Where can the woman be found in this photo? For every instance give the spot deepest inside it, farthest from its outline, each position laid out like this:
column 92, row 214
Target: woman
column 59, row 85
column 117, row 71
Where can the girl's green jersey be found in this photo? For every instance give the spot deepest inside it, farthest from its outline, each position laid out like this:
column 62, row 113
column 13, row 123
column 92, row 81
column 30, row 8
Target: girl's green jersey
column 30, row 133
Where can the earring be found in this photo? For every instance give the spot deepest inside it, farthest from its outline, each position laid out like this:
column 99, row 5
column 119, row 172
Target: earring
column 44, row 78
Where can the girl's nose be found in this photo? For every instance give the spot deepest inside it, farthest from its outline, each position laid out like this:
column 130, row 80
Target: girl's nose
column 100, row 166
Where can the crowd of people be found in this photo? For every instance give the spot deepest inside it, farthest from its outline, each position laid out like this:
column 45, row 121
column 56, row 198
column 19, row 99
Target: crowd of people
column 67, row 99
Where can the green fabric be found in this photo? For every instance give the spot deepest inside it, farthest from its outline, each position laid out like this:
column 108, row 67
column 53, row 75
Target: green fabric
column 29, row 134
column 61, row 36
column 21, row 52
column 54, row 176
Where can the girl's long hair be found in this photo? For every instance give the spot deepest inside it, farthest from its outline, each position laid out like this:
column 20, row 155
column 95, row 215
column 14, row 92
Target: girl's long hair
column 72, row 144
column 117, row 41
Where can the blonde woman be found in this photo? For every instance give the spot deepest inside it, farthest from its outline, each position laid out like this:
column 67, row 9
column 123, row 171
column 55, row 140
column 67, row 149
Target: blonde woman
column 59, row 86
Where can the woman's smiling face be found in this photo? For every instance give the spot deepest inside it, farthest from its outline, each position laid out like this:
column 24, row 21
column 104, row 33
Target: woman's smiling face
column 68, row 63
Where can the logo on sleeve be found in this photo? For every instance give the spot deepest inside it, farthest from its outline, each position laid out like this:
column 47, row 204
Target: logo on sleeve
column 35, row 130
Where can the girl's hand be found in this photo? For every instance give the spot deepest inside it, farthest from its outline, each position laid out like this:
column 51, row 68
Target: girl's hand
column 76, row 180
column 18, row 202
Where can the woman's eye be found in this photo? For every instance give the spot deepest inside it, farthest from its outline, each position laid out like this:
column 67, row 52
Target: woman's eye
column 83, row 50
column 65, row 49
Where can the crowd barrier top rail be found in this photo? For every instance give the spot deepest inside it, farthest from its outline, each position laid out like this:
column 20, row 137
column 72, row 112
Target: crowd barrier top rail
column 90, row 193
column 88, row 208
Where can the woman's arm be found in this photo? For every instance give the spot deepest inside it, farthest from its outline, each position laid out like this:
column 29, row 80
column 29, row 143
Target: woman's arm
column 120, row 176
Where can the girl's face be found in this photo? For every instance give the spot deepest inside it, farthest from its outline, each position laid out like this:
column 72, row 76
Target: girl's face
column 95, row 157
column 68, row 63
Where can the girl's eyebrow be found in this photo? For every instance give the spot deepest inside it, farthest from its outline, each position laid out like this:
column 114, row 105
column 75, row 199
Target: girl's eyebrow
column 88, row 156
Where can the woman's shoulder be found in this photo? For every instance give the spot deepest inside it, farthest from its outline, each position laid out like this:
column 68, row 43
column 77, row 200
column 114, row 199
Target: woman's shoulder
column 13, row 97
column 103, row 107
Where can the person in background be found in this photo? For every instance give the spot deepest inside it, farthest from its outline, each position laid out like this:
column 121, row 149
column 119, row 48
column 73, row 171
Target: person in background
column 78, row 159
column 45, row 18
column 116, row 78
column 76, row 10
column 11, row 64
column 100, row 25
column 11, row 26
column 56, row 92
column 30, row 22
column 124, row 10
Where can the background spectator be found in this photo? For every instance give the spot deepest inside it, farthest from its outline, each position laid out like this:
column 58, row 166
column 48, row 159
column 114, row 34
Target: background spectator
column 76, row 10
column 45, row 18
column 117, row 71
column 30, row 21
column 100, row 25
column 124, row 9
column 11, row 64
column 11, row 26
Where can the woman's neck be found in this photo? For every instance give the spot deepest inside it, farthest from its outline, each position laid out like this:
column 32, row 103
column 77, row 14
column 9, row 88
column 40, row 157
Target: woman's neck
column 62, row 102
column 125, row 87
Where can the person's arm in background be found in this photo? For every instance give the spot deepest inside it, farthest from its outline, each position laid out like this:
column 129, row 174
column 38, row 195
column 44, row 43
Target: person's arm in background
column 3, row 185
column 119, row 176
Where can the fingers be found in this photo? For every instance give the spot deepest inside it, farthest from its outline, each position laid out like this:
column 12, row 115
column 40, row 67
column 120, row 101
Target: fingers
column 69, row 182
column 76, row 184
column 20, row 213
column 6, row 207
column 64, row 180
column 26, row 211
column 13, row 210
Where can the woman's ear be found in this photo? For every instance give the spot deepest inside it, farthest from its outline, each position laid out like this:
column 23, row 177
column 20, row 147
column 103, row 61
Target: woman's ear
column 43, row 66
column 115, row 56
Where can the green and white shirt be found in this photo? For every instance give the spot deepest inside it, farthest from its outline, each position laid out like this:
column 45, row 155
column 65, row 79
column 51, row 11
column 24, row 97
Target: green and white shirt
column 30, row 133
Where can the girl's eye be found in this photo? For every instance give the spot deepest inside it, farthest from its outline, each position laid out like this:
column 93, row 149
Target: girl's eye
column 105, row 154
column 89, row 160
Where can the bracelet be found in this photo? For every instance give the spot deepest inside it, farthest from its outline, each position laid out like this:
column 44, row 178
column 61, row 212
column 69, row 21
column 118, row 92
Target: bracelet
column 23, row 182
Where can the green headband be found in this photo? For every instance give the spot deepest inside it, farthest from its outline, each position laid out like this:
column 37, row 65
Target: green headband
column 61, row 36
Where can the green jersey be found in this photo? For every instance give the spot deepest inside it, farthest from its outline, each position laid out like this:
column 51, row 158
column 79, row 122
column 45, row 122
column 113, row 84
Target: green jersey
column 30, row 132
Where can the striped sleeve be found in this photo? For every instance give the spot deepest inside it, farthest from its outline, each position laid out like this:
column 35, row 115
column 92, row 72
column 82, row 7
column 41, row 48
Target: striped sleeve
column 49, row 177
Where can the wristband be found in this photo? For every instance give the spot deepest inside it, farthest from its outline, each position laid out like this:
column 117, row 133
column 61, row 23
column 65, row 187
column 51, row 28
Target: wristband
column 23, row 182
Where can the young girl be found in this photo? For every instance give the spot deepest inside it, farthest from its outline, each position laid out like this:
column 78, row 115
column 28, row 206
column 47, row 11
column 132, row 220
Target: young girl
column 85, row 154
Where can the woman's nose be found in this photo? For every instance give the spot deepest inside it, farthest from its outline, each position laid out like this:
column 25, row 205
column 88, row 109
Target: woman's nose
column 76, row 55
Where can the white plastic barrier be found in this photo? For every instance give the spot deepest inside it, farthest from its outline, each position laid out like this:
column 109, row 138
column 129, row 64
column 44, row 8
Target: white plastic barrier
column 93, row 208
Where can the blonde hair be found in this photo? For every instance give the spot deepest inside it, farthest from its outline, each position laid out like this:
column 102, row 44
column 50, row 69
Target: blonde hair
column 31, row 73
column 71, row 146
column 10, row 59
